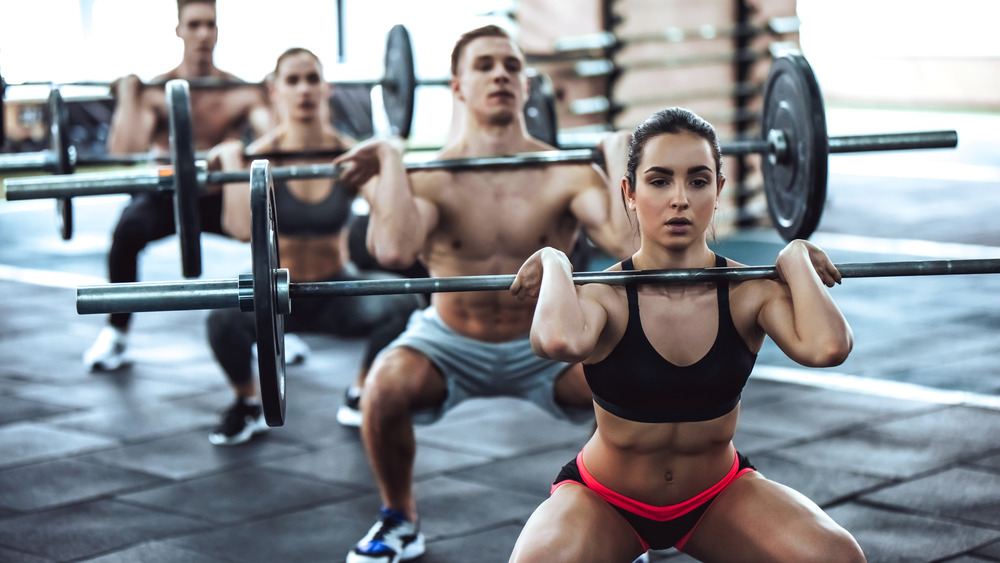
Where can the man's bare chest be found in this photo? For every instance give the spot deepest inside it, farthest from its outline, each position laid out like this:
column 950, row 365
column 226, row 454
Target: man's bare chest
column 514, row 211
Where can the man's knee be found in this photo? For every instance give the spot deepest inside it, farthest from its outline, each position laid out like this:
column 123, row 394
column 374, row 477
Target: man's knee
column 402, row 378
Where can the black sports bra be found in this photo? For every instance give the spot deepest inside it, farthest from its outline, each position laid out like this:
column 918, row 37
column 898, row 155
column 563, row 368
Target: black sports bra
column 299, row 218
column 636, row 383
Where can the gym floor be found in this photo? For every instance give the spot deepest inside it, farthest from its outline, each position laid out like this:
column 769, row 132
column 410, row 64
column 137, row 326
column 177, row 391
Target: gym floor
column 899, row 443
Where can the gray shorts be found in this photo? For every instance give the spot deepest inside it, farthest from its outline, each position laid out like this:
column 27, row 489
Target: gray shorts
column 472, row 368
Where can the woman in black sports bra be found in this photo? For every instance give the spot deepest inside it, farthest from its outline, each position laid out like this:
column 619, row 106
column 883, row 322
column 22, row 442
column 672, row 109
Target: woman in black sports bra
column 312, row 217
column 667, row 365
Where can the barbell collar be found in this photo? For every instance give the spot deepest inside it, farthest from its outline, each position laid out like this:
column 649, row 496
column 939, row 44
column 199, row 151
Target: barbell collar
column 229, row 294
column 26, row 162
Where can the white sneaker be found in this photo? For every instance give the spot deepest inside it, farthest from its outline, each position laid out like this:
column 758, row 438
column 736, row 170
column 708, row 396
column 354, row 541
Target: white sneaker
column 392, row 539
column 296, row 350
column 107, row 353
column 349, row 413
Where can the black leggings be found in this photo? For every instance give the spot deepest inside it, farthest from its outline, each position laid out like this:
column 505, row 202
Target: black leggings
column 148, row 218
column 381, row 318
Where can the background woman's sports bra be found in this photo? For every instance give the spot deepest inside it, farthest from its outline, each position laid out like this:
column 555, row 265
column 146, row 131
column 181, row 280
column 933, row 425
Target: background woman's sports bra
column 299, row 218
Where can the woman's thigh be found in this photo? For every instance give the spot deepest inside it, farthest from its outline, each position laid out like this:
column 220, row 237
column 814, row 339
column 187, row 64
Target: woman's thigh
column 756, row 519
column 575, row 524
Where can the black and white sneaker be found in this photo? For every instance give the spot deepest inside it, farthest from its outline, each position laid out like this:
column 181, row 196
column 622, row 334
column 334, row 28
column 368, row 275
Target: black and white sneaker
column 349, row 413
column 392, row 539
column 239, row 423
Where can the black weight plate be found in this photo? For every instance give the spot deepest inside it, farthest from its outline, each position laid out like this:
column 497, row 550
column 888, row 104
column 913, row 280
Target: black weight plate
column 540, row 110
column 795, row 186
column 187, row 215
column 269, row 321
column 64, row 217
column 62, row 161
column 3, row 110
column 399, row 85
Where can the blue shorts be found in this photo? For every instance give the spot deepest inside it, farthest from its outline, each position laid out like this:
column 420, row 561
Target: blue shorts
column 472, row 368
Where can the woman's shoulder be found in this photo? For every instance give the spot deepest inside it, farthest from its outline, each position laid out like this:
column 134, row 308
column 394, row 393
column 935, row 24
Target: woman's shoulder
column 265, row 143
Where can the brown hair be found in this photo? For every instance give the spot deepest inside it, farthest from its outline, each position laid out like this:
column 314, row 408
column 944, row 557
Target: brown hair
column 469, row 36
column 291, row 52
column 182, row 3
column 670, row 120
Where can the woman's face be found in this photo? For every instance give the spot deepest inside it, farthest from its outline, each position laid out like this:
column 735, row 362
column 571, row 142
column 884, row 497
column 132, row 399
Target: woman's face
column 677, row 190
column 299, row 91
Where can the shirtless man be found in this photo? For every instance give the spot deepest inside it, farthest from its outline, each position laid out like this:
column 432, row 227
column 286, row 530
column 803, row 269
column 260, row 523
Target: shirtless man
column 462, row 224
column 140, row 124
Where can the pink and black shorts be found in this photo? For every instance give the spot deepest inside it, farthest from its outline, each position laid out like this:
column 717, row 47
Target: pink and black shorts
column 657, row 527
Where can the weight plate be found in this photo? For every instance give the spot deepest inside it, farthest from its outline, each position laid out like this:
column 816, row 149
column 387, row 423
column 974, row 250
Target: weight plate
column 399, row 85
column 187, row 216
column 64, row 217
column 62, row 162
column 540, row 110
column 268, row 318
column 795, row 185
column 3, row 110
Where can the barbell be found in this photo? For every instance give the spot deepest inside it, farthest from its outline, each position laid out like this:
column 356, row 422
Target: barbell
column 186, row 188
column 269, row 294
column 398, row 82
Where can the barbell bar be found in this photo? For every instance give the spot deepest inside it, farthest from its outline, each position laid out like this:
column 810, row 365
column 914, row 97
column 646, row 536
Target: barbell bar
column 145, row 297
column 269, row 294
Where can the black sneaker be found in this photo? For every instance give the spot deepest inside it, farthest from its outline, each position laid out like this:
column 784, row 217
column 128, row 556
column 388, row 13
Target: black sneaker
column 349, row 413
column 392, row 539
column 239, row 423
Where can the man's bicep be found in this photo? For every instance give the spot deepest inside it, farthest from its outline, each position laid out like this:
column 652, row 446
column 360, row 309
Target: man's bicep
column 590, row 207
column 427, row 212
column 132, row 130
